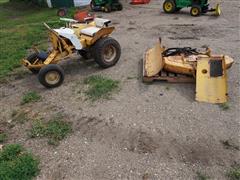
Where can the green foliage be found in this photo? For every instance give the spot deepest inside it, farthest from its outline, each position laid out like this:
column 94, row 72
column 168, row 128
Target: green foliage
column 224, row 106
column 17, row 163
column 100, row 87
column 21, row 28
column 234, row 172
column 55, row 130
column 30, row 96
column 3, row 137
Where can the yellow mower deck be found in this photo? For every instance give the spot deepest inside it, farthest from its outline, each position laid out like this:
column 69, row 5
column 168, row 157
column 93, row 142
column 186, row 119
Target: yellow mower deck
column 181, row 68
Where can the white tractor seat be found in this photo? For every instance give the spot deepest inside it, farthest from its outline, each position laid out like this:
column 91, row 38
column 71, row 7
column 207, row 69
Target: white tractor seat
column 90, row 31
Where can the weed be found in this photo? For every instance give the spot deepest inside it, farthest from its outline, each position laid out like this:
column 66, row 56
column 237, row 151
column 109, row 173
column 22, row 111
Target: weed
column 29, row 97
column 55, row 130
column 17, row 163
column 22, row 27
column 234, row 172
column 201, row 176
column 3, row 137
column 19, row 116
column 167, row 88
column 100, row 87
column 224, row 106
column 229, row 145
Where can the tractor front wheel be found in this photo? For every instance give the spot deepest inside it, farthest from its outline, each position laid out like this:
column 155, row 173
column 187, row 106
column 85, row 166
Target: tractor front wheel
column 107, row 8
column 51, row 76
column 195, row 10
column 169, row 6
column 107, row 52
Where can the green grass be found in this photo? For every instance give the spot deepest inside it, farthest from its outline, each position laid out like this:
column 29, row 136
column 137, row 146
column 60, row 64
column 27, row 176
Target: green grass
column 30, row 96
column 100, row 87
column 201, row 176
column 234, row 172
column 3, row 137
column 55, row 130
column 17, row 163
column 224, row 106
column 21, row 28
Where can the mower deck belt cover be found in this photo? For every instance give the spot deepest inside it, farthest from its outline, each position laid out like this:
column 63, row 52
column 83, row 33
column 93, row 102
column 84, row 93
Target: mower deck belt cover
column 211, row 80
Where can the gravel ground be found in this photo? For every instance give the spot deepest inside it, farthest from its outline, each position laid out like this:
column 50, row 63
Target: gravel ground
column 144, row 132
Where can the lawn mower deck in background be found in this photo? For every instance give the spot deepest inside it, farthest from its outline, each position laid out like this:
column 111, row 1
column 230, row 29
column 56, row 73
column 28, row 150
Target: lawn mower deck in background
column 198, row 7
column 106, row 5
column 90, row 40
column 189, row 65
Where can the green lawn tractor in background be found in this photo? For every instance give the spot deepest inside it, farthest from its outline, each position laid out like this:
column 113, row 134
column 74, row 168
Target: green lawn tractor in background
column 198, row 7
column 106, row 5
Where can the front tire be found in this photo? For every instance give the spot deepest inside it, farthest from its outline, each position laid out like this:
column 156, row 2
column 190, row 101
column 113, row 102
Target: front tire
column 195, row 11
column 107, row 52
column 169, row 6
column 51, row 76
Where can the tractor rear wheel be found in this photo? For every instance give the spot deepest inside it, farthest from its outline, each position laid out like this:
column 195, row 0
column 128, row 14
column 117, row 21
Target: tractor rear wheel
column 106, row 52
column 196, row 10
column 32, row 58
column 51, row 76
column 169, row 6
column 119, row 6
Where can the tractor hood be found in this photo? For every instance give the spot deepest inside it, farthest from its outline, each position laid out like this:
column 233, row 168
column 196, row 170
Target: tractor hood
column 69, row 34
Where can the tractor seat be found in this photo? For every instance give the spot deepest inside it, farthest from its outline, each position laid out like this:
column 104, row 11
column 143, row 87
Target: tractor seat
column 90, row 31
column 101, row 22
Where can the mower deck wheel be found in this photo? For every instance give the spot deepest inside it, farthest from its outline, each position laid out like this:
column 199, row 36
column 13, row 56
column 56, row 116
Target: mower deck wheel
column 169, row 6
column 106, row 52
column 51, row 76
column 195, row 10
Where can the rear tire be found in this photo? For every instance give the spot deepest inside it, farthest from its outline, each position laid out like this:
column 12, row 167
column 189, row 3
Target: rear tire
column 119, row 7
column 51, row 76
column 62, row 12
column 106, row 52
column 196, row 10
column 169, row 6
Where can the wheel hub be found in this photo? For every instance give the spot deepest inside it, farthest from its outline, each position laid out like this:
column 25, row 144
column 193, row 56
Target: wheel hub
column 52, row 77
column 110, row 53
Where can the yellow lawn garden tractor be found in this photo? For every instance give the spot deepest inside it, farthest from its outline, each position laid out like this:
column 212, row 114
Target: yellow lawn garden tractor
column 189, row 65
column 198, row 7
column 90, row 40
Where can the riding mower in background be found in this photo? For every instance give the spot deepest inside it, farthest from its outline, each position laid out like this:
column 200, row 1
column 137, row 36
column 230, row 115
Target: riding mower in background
column 189, row 65
column 106, row 5
column 90, row 40
column 198, row 7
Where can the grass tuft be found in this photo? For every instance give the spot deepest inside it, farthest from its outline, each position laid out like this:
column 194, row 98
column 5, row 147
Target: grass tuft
column 100, row 87
column 55, row 130
column 29, row 97
column 234, row 172
column 201, row 176
column 224, row 106
column 17, row 163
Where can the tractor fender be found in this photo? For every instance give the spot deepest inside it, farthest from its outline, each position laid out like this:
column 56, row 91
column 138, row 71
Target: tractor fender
column 69, row 34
